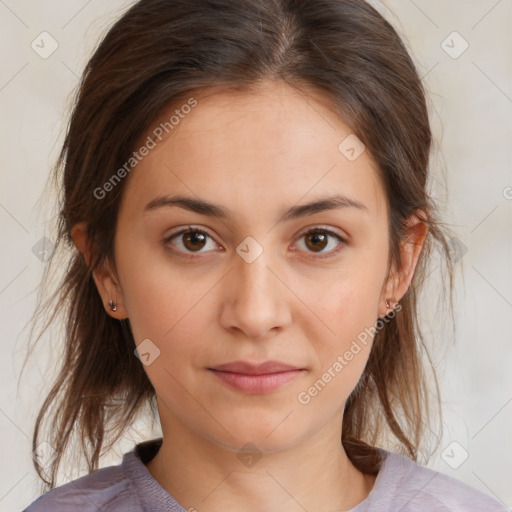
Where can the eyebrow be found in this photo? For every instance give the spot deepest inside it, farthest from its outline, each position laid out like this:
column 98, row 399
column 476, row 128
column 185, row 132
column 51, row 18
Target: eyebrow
column 205, row 208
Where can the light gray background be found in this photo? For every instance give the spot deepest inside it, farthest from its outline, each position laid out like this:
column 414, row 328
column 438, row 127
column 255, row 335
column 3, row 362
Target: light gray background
column 471, row 110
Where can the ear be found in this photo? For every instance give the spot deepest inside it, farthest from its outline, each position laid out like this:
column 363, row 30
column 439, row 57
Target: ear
column 410, row 249
column 104, row 277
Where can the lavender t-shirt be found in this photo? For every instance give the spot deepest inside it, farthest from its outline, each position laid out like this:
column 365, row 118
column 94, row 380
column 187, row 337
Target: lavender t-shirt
column 401, row 485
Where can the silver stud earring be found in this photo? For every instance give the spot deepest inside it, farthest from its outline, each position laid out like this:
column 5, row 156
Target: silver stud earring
column 388, row 305
column 113, row 307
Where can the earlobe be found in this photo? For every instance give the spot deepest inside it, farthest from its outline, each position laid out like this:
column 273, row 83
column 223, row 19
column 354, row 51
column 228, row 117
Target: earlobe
column 104, row 278
column 110, row 291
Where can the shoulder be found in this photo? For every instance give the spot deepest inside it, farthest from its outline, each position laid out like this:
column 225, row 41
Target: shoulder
column 417, row 488
column 104, row 489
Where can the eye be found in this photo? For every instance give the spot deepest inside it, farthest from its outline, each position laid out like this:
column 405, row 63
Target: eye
column 190, row 240
column 317, row 239
column 193, row 240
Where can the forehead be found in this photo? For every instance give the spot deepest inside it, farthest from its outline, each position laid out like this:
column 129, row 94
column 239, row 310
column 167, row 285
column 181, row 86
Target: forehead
column 274, row 145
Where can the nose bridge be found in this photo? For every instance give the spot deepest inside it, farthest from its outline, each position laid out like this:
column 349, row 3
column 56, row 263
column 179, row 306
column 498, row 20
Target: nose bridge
column 251, row 267
column 255, row 283
column 257, row 301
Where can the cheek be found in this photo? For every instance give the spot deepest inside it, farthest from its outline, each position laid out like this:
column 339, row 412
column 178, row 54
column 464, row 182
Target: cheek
column 163, row 298
column 342, row 330
column 342, row 349
column 345, row 304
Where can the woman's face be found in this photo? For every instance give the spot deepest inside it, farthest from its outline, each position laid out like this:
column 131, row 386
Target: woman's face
column 248, row 284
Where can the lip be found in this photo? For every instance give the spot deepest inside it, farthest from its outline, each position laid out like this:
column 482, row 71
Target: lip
column 248, row 368
column 256, row 377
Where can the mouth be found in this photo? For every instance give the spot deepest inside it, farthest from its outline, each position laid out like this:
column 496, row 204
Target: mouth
column 256, row 378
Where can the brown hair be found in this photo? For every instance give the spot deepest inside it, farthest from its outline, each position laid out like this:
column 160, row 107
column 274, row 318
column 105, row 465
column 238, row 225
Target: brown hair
column 156, row 54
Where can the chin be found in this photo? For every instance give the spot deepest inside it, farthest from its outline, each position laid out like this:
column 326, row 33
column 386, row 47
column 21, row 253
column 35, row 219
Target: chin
column 267, row 434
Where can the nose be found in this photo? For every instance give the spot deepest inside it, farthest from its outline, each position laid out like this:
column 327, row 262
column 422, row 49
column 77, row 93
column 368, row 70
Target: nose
column 256, row 300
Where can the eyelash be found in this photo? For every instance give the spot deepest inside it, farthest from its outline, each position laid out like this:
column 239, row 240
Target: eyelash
column 316, row 229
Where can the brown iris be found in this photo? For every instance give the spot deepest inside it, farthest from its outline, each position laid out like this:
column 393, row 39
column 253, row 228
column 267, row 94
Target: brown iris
column 194, row 240
column 316, row 240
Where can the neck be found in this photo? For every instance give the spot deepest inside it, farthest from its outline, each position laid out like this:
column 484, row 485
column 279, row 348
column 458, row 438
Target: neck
column 313, row 475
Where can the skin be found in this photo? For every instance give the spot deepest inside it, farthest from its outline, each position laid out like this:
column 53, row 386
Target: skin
column 255, row 154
